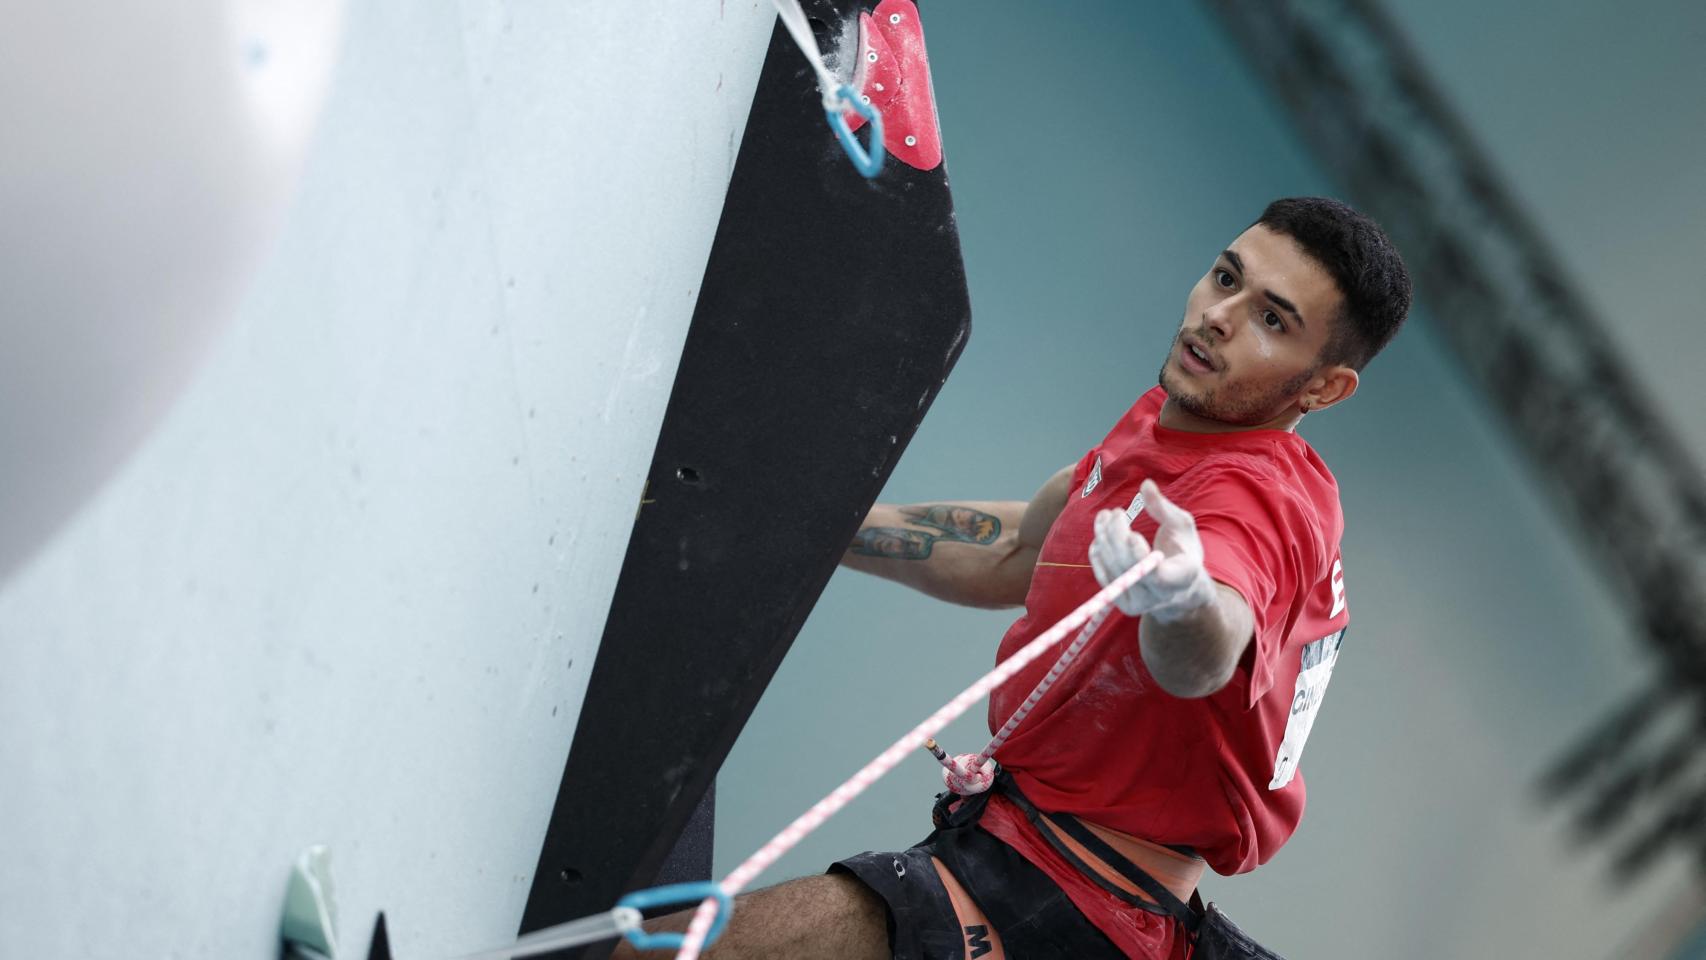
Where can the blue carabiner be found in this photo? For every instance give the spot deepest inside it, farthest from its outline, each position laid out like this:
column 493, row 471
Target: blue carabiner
column 676, row 893
column 869, row 163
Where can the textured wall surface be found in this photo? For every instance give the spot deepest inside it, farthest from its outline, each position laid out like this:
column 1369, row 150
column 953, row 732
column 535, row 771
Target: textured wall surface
column 350, row 591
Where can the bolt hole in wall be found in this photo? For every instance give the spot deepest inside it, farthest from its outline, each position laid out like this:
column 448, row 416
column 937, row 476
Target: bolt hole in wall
column 687, row 475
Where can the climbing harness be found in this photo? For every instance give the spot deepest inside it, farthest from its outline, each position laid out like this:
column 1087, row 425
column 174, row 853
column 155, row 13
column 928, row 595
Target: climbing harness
column 838, row 97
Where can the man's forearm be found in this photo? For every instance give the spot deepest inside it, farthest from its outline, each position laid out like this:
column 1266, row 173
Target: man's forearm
column 1196, row 654
column 967, row 552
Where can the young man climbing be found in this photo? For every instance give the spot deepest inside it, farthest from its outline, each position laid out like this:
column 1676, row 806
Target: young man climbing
column 1171, row 744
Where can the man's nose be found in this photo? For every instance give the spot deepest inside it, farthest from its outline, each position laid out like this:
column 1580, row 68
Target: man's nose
column 1218, row 318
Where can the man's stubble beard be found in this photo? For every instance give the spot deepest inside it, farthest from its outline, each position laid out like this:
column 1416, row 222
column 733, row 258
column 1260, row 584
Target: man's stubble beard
column 1239, row 408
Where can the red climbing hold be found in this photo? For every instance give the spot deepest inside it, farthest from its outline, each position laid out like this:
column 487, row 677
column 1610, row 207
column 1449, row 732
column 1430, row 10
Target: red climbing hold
column 894, row 73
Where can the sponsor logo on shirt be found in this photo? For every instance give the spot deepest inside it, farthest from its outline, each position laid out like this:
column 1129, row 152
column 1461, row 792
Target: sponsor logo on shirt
column 1318, row 660
column 1094, row 479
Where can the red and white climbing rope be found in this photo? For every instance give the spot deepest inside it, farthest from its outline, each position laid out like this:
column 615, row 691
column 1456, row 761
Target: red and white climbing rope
column 1089, row 616
column 968, row 773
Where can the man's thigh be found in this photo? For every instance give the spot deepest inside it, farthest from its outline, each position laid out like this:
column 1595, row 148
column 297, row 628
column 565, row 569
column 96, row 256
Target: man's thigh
column 832, row 916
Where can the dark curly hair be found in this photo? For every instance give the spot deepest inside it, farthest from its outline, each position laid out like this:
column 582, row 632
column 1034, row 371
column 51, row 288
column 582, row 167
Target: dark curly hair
column 1362, row 261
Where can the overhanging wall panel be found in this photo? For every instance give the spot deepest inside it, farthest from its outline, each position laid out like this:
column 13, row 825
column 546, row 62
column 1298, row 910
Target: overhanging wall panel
column 832, row 311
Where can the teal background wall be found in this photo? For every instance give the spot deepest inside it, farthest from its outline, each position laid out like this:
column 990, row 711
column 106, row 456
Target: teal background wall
column 1100, row 154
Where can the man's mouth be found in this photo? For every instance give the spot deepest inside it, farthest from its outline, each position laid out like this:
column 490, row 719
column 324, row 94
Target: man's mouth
column 1194, row 357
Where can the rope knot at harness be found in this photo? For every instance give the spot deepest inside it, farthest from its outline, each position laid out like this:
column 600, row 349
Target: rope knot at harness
column 970, row 774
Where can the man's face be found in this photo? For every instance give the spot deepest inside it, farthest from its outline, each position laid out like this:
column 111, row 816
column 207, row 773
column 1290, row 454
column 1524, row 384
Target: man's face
column 1251, row 338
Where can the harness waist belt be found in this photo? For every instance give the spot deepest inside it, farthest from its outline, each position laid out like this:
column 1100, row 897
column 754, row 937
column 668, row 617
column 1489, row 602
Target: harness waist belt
column 1146, row 875
column 1177, row 872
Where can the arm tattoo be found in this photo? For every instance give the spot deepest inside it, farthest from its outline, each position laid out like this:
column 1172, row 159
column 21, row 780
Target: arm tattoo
column 962, row 524
column 893, row 543
column 945, row 522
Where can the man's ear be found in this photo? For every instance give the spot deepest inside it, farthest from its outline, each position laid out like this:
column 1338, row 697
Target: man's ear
column 1334, row 384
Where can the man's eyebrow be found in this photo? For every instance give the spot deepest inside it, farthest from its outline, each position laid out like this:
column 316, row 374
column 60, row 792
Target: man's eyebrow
column 1284, row 304
column 1278, row 301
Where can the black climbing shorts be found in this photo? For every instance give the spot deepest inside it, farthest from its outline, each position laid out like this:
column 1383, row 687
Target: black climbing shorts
column 1035, row 918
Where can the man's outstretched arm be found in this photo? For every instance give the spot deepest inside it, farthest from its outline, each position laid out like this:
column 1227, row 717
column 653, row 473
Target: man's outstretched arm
column 979, row 553
column 1194, row 629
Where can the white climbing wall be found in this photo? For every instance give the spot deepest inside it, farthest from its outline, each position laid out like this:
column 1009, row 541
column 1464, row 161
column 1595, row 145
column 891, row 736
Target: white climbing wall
column 350, row 590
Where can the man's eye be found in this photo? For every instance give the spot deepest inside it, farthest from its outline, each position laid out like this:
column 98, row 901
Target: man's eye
column 1273, row 320
column 1222, row 278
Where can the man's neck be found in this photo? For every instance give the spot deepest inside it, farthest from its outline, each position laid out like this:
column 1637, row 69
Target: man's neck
column 1175, row 417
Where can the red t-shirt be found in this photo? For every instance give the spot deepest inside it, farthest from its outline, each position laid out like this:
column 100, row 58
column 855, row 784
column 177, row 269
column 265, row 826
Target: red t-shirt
column 1107, row 744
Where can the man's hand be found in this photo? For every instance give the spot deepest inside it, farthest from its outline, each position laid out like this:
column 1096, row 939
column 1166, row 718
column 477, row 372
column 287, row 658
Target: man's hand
column 1179, row 586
